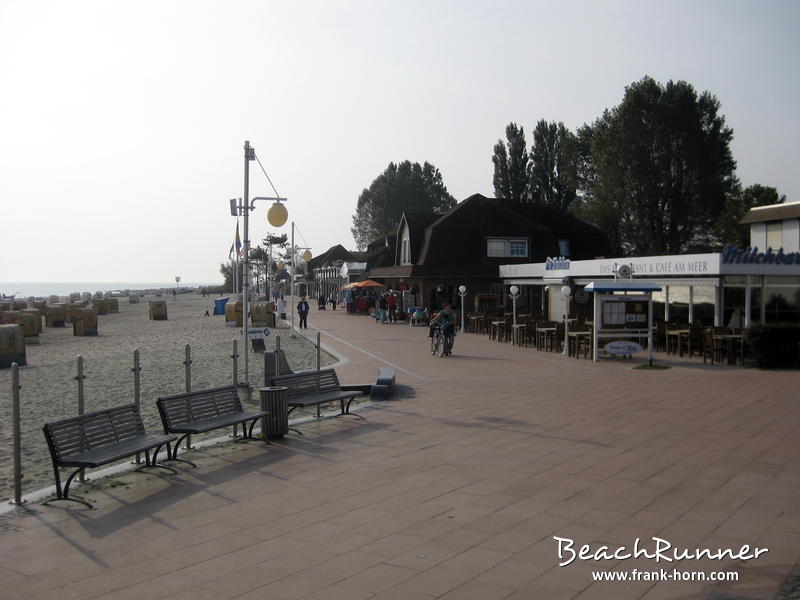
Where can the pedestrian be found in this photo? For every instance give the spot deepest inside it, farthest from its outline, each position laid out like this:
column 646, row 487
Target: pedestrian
column 333, row 301
column 382, row 304
column 391, row 304
column 302, row 309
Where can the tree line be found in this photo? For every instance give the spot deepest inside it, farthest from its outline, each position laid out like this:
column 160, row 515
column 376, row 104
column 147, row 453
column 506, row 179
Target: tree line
column 655, row 172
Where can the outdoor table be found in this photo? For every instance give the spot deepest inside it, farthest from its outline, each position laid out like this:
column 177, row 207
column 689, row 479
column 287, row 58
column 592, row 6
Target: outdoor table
column 730, row 340
column 677, row 334
column 574, row 338
column 545, row 337
column 498, row 331
column 476, row 324
column 518, row 335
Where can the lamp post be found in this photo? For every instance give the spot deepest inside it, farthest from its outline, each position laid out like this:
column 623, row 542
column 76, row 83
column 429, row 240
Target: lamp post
column 566, row 291
column 276, row 215
column 514, row 294
column 462, row 291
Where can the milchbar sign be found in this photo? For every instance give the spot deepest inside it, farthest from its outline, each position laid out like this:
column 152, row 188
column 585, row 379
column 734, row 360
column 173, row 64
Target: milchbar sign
column 751, row 256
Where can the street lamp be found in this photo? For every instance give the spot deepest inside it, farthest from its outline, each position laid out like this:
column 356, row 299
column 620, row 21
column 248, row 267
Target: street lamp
column 566, row 291
column 277, row 215
column 514, row 294
column 462, row 291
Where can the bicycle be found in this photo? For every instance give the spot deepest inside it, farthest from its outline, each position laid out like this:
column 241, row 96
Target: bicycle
column 441, row 344
column 437, row 338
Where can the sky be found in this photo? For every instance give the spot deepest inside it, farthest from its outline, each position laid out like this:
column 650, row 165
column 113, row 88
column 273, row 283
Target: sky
column 122, row 124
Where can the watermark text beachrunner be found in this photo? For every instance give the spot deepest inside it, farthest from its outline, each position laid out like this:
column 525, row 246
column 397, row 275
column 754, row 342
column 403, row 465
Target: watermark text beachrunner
column 663, row 551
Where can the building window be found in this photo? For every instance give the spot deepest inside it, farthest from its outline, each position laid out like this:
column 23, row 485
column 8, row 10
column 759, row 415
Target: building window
column 775, row 235
column 507, row 247
column 405, row 247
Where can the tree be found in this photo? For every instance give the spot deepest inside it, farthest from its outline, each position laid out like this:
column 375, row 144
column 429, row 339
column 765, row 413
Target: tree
column 226, row 269
column 660, row 169
column 554, row 165
column 728, row 230
column 404, row 187
column 512, row 166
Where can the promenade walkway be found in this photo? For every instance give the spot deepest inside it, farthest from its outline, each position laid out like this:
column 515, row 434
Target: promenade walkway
column 454, row 489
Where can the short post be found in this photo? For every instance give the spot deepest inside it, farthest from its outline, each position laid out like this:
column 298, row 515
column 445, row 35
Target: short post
column 188, row 374
column 235, row 357
column 319, row 415
column 462, row 291
column 277, row 355
column 137, row 391
column 79, row 378
column 15, row 387
column 514, row 294
column 319, row 351
column 566, row 291
column 188, row 366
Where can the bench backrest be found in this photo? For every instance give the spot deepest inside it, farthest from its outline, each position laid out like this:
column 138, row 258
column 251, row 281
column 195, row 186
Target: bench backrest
column 307, row 383
column 93, row 430
column 190, row 407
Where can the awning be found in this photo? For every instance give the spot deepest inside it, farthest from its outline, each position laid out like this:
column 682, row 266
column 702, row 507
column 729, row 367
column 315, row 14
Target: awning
column 622, row 286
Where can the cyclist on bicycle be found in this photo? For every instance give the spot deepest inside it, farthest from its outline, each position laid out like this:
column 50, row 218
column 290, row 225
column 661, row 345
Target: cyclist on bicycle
column 446, row 319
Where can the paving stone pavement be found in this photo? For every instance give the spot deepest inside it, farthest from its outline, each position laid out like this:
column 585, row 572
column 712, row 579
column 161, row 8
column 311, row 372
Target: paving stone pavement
column 455, row 489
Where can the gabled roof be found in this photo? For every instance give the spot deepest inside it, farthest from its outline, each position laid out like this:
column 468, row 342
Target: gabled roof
column 452, row 237
column 331, row 256
column 773, row 212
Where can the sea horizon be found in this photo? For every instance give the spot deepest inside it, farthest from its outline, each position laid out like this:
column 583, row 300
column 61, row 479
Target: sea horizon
column 25, row 289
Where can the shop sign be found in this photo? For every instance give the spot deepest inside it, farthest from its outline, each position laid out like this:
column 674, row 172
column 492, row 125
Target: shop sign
column 622, row 348
column 558, row 263
column 751, row 256
column 257, row 333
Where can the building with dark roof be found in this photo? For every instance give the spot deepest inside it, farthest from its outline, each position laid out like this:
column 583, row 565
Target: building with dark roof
column 435, row 254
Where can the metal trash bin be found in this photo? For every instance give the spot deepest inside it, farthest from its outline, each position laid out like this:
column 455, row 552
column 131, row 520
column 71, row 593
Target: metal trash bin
column 276, row 424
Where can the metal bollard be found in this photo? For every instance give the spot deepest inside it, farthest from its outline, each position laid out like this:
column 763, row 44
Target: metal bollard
column 318, row 366
column 235, row 357
column 188, row 375
column 79, row 378
column 15, row 387
column 137, row 392
column 188, row 364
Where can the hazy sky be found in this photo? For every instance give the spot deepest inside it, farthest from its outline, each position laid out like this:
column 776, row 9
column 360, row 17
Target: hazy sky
column 122, row 123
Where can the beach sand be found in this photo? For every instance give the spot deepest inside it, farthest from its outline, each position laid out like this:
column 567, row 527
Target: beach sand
column 50, row 391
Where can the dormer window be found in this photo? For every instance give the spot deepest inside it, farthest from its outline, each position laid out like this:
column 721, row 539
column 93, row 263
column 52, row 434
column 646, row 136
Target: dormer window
column 405, row 247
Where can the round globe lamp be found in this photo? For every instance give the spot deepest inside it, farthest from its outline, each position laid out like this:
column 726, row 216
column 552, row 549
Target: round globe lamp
column 277, row 215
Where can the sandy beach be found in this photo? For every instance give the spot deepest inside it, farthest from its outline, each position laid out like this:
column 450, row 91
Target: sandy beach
column 50, row 391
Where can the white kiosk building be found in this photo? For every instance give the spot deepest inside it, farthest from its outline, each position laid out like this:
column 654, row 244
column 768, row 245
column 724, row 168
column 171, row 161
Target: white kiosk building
column 734, row 288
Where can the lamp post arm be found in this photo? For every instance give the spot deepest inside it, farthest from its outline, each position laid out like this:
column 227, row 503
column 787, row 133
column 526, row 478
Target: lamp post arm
column 265, row 199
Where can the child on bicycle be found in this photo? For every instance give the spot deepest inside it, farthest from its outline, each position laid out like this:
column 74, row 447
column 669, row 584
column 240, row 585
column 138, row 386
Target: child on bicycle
column 446, row 319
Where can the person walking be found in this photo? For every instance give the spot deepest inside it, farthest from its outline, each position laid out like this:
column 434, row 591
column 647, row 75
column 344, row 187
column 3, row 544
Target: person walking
column 382, row 304
column 302, row 310
column 391, row 304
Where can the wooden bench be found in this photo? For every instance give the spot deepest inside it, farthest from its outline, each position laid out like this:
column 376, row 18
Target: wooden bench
column 202, row 411
column 313, row 388
column 99, row 438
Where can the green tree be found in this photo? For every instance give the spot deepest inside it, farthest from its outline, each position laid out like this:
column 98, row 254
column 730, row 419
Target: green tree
column 554, row 165
column 512, row 165
column 728, row 230
column 660, row 169
column 403, row 187
column 226, row 269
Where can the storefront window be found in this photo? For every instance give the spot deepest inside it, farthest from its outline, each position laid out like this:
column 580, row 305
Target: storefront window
column 782, row 304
